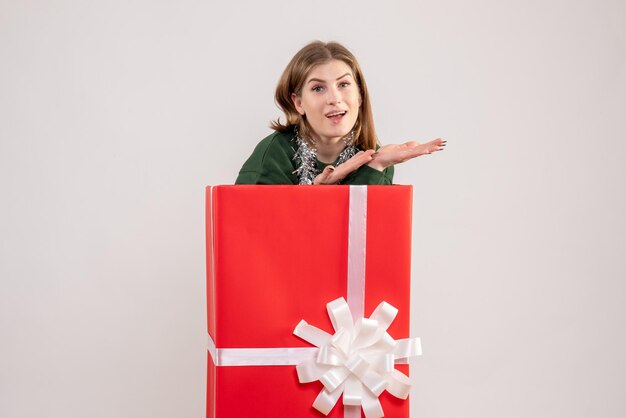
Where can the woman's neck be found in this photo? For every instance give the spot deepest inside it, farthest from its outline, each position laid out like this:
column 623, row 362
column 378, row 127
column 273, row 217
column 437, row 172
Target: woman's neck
column 329, row 152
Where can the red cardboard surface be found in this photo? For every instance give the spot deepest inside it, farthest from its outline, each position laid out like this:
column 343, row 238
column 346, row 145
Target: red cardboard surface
column 278, row 254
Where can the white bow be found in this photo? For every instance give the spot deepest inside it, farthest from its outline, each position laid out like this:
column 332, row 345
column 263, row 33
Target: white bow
column 358, row 360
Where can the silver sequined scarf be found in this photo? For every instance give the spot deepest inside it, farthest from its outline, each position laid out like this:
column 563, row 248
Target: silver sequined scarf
column 306, row 159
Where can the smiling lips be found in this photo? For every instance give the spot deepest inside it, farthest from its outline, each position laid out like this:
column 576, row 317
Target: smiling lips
column 336, row 115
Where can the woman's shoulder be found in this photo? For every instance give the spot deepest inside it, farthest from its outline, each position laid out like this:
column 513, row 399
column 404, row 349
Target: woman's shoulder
column 281, row 142
column 271, row 161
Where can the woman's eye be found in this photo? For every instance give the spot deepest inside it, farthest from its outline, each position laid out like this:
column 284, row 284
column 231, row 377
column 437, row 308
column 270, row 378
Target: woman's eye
column 344, row 84
column 318, row 89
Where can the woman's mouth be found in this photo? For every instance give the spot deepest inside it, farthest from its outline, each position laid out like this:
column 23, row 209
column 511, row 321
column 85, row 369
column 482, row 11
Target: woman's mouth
column 336, row 116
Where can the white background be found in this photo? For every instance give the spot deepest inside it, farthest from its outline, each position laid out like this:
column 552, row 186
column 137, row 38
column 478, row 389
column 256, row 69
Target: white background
column 114, row 115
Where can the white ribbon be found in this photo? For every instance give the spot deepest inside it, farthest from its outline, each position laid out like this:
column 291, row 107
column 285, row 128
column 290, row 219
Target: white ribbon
column 285, row 356
column 357, row 234
column 358, row 360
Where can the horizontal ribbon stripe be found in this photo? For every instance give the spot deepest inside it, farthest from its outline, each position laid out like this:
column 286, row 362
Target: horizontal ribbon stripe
column 286, row 356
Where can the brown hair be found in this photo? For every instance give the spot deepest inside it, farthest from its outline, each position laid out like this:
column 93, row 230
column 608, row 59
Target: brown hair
column 295, row 75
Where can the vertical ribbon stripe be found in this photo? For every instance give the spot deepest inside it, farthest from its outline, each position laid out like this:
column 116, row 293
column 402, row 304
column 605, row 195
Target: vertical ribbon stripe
column 357, row 239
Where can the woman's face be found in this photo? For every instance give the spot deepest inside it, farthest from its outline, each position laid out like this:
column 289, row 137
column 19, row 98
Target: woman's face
column 330, row 99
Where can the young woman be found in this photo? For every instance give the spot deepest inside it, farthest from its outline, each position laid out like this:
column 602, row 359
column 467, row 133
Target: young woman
column 328, row 136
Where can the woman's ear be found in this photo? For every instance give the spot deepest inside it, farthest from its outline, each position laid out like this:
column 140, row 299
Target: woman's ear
column 297, row 102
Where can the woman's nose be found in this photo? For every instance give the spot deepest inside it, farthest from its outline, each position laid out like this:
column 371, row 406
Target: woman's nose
column 333, row 97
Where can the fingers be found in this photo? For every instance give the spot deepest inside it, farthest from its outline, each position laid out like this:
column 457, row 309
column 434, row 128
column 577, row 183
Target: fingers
column 439, row 144
column 359, row 159
column 422, row 149
column 412, row 149
column 435, row 145
column 325, row 177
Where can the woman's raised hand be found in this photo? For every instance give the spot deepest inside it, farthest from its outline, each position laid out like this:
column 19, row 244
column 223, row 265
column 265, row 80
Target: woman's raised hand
column 333, row 175
column 391, row 154
column 386, row 156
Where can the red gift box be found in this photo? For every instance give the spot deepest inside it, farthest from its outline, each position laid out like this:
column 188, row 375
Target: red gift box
column 277, row 255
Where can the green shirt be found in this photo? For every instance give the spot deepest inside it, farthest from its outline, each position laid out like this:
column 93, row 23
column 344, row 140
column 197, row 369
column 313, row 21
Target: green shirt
column 272, row 162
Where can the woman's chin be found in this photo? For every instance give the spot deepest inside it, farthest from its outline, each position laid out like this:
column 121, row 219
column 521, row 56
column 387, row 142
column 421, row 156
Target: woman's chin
column 337, row 132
